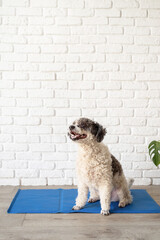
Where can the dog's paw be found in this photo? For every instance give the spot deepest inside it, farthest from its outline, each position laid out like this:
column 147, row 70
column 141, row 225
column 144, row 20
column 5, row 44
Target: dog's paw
column 105, row 212
column 122, row 204
column 92, row 200
column 76, row 208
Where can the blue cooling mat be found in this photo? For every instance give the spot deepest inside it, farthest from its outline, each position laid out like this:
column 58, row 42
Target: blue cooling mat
column 62, row 201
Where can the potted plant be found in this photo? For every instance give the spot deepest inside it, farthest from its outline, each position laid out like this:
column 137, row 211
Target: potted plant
column 154, row 152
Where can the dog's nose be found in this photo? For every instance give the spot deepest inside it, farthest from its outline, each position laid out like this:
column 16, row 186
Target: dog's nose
column 71, row 127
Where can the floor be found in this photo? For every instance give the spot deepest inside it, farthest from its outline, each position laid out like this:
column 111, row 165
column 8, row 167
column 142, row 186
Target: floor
column 77, row 226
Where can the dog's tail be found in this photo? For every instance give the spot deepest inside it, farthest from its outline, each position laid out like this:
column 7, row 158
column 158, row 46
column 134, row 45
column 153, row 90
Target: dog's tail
column 130, row 182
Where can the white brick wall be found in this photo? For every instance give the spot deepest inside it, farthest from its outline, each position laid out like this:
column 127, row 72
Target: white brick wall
column 63, row 59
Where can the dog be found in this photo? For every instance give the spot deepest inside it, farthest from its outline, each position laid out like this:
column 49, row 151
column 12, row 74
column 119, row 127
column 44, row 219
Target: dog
column 98, row 171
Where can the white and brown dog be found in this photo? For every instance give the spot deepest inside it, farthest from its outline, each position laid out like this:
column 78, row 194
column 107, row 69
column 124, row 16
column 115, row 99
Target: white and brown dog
column 97, row 170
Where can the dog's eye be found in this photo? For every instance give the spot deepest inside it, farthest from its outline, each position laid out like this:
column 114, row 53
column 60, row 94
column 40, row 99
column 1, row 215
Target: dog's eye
column 78, row 126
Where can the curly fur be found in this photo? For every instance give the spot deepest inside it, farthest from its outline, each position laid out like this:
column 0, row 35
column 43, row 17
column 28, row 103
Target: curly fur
column 97, row 170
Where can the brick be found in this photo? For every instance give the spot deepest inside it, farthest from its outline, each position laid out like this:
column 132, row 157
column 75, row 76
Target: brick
column 95, row 20
column 142, row 181
column 135, row 103
column 40, row 21
column 68, row 112
column 131, row 139
column 57, row 30
column 71, row 21
column 5, row 138
column 155, row 13
column 14, row 57
column 99, row 4
column 27, row 121
column 67, row 93
column 153, row 122
column 109, row 48
column 56, row 103
column 42, row 93
column 152, row 173
column 26, row 173
column 93, row 39
column 29, row 30
column 58, row 156
column 7, row 11
column 51, row 173
column 118, row 58
column 67, row 58
column 121, row 22
column 33, row 181
column 6, row 48
column 28, row 11
column 85, row 30
column 120, row 39
column 107, row 85
column 149, row 40
column 29, row 156
column 26, row 139
column 76, row 67
column 40, row 147
column 59, row 181
column 109, row 103
column 110, row 30
column 39, row 39
column 16, row 3
column 41, row 3
column 133, row 121
column 132, row 30
column 126, row 4
column 14, row 164
column 66, row 39
column 11, row 147
column 134, row 13
column 70, row 4
column 106, row 67
column 149, row 4
column 5, row 120
column 80, row 12
column 81, row 49
column 143, row 131
column 121, row 94
column 107, row 12
column 144, row 58
column 120, row 112
column 9, row 181
column 14, row 111
column 93, row 112
column 81, row 85
column 82, row 103
column 39, row 130
column 122, row 76
column 41, row 165
column 14, row 20
column 131, row 68
column 147, row 22
column 93, row 94
column 54, row 49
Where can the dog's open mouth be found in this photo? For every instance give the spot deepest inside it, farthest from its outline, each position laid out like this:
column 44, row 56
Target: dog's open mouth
column 77, row 136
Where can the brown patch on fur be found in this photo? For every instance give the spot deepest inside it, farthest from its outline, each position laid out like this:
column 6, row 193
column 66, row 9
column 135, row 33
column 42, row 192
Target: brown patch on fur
column 116, row 166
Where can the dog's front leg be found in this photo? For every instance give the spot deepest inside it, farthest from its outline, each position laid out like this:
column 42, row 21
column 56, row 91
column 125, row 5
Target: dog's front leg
column 105, row 198
column 82, row 196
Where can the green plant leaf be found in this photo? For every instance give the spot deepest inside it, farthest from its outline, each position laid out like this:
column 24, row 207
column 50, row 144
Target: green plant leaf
column 154, row 152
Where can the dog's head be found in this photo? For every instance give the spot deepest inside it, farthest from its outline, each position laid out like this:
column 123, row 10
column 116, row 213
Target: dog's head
column 85, row 129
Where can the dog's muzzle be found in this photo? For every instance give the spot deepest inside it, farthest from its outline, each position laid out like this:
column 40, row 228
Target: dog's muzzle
column 76, row 136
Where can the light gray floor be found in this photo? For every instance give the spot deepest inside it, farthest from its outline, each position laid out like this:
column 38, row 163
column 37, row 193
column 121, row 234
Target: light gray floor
column 76, row 226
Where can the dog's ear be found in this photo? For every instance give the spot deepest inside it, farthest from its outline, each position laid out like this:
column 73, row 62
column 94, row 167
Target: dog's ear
column 98, row 131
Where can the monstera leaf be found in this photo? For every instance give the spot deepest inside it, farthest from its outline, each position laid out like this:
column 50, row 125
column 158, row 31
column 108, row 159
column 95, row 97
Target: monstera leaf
column 154, row 152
